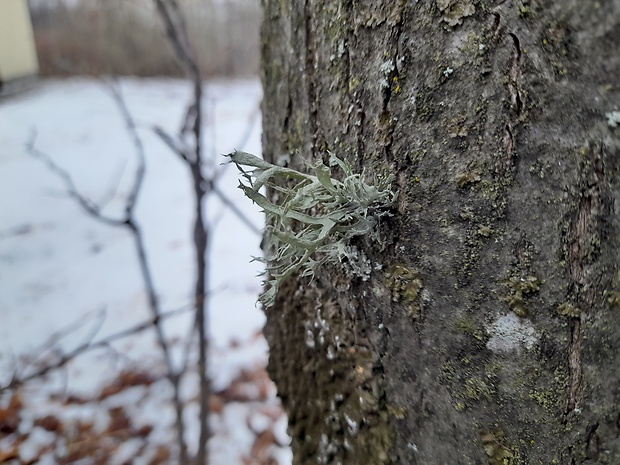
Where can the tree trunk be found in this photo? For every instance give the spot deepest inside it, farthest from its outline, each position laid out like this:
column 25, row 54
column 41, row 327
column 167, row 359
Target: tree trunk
column 489, row 330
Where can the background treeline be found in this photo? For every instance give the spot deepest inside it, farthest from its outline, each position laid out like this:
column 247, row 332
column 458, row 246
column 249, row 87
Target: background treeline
column 126, row 37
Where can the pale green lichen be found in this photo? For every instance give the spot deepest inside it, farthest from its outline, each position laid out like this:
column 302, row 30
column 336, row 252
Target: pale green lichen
column 613, row 299
column 397, row 411
column 313, row 217
column 477, row 389
column 568, row 310
column 467, row 178
column 405, row 285
column 453, row 11
column 520, row 288
column 545, row 398
column 498, row 453
column 471, row 328
column 613, row 118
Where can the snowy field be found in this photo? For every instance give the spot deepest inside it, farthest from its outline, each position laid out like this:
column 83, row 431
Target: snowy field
column 66, row 278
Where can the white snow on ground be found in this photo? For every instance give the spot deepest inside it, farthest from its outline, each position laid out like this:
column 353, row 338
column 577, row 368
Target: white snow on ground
column 59, row 266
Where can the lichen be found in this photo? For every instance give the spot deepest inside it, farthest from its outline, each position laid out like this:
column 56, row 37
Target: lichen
column 484, row 231
column 471, row 328
column 344, row 416
column 405, row 285
column 511, row 333
column 569, row 310
column 457, row 126
column 312, row 222
column 545, row 398
column 477, row 389
column 613, row 118
column 520, row 288
column 613, row 299
column 467, row 178
column 397, row 411
column 496, row 449
column 459, row 406
column 453, row 11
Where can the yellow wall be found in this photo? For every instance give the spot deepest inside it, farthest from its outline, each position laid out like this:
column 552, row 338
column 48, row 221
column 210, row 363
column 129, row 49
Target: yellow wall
column 18, row 56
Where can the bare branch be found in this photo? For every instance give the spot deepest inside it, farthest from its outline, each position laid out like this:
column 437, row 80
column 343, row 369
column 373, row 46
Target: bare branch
column 238, row 213
column 137, row 142
column 112, row 186
column 171, row 143
column 169, row 140
column 190, row 116
column 177, row 34
column 87, row 205
column 129, row 222
column 87, row 346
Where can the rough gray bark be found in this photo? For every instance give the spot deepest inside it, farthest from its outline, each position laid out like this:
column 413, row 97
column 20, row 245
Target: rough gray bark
column 491, row 333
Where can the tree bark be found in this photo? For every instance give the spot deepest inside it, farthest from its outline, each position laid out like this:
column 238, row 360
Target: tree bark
column 489, row 330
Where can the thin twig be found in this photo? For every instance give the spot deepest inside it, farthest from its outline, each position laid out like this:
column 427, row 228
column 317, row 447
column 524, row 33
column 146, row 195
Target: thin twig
column 137, row 142
column 87, row 205
column 177, row 34
column 113, row 186
column 88, row 346
column 244, row 219
column 129, row 222
column 172, row 144
column 174, row 375
column 208, row 187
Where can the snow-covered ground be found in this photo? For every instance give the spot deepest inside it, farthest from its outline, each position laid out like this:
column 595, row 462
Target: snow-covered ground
column 59, row 267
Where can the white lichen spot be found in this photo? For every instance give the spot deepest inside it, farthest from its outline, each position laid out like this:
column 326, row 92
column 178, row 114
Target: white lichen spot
column 310, row 339
column 353, row 426
column 510, row 333
column 613, row 118
column 331, row 353
column 326, row 449
column 412, row 446
column 341, row 48
column 386, row 69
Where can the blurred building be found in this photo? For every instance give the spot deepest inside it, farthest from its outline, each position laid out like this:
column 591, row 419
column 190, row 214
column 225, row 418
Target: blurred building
column 18, row 57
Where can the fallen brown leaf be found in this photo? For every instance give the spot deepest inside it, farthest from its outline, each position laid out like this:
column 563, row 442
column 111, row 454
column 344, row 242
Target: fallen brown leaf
column 49, row 423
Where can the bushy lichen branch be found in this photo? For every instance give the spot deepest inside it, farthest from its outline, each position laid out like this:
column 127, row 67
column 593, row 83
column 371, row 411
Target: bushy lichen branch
column 313, row 217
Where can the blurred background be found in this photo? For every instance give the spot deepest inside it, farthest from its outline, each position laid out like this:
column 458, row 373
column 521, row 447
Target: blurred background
column 126, row 37
column 82, row 375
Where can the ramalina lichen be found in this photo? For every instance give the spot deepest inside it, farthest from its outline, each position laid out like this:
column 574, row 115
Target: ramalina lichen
column 315, row 217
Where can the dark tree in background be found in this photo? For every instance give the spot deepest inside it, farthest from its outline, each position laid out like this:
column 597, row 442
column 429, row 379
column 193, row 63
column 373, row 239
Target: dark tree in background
column 489, row 330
